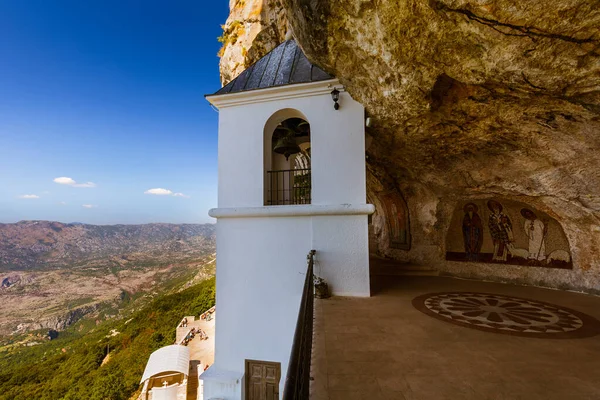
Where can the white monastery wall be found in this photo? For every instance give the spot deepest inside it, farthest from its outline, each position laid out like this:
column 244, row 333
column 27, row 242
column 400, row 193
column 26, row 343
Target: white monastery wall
column 259, row 288
column 261, row 251
column 244, row 152
column 342, row 258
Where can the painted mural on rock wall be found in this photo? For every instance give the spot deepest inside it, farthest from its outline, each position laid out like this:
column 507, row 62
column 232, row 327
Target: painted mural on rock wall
column 397, row 220
column 506, row 232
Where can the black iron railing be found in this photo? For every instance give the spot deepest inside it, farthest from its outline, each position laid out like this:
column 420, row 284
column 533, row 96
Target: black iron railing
column 297, row 381
column 289, row 186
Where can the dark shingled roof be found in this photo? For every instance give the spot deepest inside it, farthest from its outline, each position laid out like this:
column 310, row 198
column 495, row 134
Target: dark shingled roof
column 286, row 64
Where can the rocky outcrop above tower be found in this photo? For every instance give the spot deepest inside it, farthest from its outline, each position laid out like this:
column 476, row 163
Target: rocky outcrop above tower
column 253, row 29
column 470, row 99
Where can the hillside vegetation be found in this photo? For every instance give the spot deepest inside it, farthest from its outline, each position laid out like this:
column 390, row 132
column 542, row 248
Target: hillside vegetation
column 70, row 367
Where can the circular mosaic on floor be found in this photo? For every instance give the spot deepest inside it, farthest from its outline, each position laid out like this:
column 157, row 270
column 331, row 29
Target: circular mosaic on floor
column 508, row 315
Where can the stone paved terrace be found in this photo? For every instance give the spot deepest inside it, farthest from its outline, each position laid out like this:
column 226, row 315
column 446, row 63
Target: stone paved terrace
column 201, row 351
column 384, row 348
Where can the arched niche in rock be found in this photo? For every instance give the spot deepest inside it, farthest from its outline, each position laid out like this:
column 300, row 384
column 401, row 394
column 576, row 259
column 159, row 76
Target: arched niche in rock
column 391, row 220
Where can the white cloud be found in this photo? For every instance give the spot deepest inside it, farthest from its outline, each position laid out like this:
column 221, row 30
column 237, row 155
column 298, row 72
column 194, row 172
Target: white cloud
column 62, row 203
column 29, row 196
column 164, row 192
column 159, row 192
column 64, row 180
column 88, row 206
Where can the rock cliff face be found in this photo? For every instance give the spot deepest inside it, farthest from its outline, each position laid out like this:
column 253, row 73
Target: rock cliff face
column 471, row 100
column 59, row 322
column 253, row 29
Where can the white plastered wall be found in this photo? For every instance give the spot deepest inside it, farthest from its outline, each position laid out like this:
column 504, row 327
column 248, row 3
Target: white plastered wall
column 337, row 148
column 261, row 259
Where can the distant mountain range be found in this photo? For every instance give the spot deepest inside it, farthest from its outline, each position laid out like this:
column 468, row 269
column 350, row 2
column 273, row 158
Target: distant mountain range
column 37, row 245
column 54, row 274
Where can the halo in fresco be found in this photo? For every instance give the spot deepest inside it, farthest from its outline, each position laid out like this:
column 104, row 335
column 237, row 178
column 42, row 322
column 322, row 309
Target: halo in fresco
column 502, row 231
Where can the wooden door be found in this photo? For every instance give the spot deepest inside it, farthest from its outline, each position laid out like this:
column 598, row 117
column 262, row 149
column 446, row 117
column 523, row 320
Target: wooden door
column 262, row 380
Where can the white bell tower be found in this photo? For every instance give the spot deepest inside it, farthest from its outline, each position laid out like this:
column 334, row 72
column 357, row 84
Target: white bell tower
column 272, row 209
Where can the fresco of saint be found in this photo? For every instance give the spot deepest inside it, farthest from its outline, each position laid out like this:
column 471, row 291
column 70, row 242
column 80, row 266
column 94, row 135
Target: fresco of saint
column 536, row 232
column 397, row 221
column 472, row 232
column 501, row 230
column 535, row 240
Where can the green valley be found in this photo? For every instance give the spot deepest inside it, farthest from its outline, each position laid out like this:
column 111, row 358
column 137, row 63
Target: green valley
column 104, row 361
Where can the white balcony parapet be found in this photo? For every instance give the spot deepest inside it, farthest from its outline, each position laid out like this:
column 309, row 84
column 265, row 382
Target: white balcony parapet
column 224, row 384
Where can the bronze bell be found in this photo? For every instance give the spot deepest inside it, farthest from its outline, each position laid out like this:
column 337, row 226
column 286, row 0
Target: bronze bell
column 287, row 146
column 304, row 127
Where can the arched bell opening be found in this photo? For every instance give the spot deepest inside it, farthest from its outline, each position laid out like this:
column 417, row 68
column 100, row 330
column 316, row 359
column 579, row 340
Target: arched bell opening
column 288, row 180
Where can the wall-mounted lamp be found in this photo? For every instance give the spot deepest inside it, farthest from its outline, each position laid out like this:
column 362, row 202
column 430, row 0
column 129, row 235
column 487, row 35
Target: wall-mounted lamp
column 335, row 95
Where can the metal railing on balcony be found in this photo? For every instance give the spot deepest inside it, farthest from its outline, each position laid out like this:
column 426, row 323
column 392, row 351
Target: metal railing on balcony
column 289, row 186
column 297, row 381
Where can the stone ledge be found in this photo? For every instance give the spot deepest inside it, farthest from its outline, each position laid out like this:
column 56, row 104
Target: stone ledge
column 292, row 211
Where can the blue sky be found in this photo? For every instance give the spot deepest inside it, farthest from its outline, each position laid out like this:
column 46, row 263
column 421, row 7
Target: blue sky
column 111, row 95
